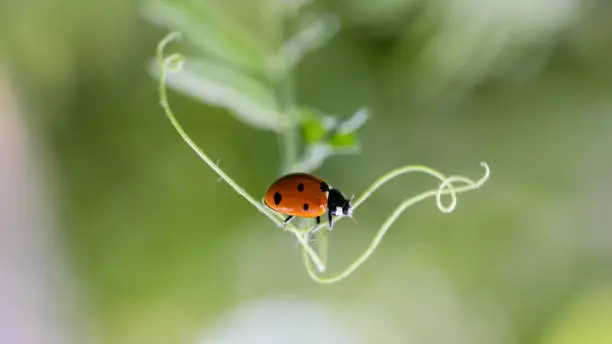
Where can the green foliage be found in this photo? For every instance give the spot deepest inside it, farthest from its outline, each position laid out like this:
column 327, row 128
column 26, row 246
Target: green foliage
column 326, row 136
column 249, row 72
column 313, row 126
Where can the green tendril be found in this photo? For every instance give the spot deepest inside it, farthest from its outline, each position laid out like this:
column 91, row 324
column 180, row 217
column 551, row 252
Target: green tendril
column 445, row 188
column 310, row 257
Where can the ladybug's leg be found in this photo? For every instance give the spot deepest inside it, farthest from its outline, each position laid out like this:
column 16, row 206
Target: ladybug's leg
column 331, row 220
column 313, row 230
column 316, row 228
column 288, row 219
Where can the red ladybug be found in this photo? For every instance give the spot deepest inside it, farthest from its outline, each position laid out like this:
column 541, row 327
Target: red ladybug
column 304, row 195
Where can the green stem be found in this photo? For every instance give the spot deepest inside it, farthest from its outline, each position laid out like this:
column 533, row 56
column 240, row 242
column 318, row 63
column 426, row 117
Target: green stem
column 289, row 136
column 282, row 79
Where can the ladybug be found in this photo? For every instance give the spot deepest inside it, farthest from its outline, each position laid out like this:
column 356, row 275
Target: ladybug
column 305, row 195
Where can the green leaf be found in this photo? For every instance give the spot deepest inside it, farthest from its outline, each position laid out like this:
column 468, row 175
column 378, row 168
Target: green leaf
column 316, row 125
column 212, row 30
column 249, row 100
column 316, row 130
column 345, row 135
column 344, row 140
column 313, row 128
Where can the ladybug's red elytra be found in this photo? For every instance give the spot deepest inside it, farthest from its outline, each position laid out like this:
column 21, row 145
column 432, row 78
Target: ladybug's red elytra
column 305, row 195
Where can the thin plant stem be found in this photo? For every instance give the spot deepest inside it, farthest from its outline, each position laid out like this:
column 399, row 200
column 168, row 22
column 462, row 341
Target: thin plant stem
column 289, row 135
column 282, row 79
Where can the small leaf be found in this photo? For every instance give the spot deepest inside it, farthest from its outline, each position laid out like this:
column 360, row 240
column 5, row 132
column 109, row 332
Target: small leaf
column 313, row 128
column 211, row 30
column 249, row 100
column 317, row 129
column 344, row 140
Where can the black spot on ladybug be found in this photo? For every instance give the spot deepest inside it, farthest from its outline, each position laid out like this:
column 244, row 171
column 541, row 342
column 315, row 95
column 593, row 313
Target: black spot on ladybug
column 301, row 187
column 324, row 187
column 305, row 206
column 277, row 198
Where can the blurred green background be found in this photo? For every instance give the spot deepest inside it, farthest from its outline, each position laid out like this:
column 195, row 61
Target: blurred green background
column 161, row 252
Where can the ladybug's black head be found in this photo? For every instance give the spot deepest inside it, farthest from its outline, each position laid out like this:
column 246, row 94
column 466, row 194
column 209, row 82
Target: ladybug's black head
column 338, row 205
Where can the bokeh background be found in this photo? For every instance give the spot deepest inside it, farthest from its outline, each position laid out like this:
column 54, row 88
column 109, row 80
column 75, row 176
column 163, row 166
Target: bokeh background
column 113, row 231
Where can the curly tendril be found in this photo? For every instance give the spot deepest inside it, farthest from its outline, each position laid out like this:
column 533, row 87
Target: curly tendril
column 174, row 63
column 445, row 188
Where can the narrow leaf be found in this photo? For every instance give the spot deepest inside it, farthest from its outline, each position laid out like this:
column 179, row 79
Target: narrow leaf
column 211, row 30
column 247, row 99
